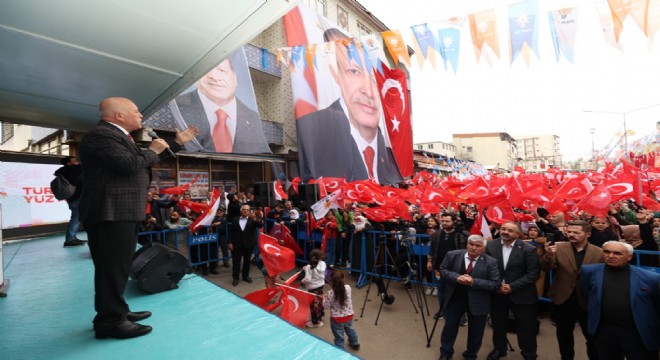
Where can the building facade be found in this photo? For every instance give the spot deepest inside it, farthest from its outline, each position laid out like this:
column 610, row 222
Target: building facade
column 539, row 152
column 494, row 151
column 437, row 147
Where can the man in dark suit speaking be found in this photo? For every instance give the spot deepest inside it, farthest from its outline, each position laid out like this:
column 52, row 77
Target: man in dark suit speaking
column 469, row 278
column 117, row 176
column 344, row 139
column 225, row 123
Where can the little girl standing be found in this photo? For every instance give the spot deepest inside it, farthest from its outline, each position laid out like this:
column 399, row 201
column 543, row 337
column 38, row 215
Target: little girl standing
column 313, row 281
column 338, row 300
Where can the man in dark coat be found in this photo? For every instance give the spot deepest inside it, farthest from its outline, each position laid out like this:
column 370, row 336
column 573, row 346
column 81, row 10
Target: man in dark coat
column 242, row 239
column 117, row 175
column 72, row 172
column 519, row 268
column 470, row 277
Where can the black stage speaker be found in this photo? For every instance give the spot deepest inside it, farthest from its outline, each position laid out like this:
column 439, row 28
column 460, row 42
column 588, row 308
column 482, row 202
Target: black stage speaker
column 309, row 194
column 263, row 194
column 157, row 267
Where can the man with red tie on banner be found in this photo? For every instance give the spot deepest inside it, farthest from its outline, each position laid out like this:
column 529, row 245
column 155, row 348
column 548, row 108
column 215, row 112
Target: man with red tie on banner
column 346, row 136
column 223, row 107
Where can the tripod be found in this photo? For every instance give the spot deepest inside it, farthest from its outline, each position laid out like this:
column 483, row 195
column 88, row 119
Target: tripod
column 417, row 287
column 380, row 264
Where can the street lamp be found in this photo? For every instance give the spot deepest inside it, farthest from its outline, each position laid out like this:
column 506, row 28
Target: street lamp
column 625, row 129
column 593, row 148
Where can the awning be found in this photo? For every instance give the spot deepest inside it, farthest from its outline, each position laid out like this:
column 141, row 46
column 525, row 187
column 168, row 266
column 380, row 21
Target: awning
column 233, row 157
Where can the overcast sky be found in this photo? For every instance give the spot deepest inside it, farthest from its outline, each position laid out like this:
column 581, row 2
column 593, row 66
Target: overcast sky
column 548, row 97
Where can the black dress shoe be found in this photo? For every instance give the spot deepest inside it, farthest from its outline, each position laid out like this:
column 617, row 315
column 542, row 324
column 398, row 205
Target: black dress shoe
column 496, row 354
column 247, row 279
column 125, row 330
column 445, row 357
column 74, row 242
column 138, row 315
column 214, row 271
column 234, row 282
column 226, row 264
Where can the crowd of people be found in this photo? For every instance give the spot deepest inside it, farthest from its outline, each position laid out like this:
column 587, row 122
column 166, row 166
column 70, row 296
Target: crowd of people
column 599, row 281
column 475, row 277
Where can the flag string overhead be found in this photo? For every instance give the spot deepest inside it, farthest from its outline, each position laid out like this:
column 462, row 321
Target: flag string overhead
column 428, row 40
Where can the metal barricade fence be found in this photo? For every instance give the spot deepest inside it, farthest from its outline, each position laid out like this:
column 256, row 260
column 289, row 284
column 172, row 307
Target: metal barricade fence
column 368, row 251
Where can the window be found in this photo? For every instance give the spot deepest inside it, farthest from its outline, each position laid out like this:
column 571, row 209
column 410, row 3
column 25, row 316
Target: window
column 318, row 5
column 420, row 147
column 469, row 149
column 430, row 146
column 7, row 132
column 342, row 18
column 362, row 30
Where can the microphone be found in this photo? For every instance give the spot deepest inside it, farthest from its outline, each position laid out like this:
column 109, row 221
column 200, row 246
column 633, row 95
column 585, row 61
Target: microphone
column 153, row 135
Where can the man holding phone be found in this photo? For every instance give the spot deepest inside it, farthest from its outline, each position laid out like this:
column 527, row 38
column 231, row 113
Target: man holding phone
column 566, row 259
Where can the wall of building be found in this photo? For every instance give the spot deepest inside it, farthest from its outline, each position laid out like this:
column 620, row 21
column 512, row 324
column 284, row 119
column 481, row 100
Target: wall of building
column 489, row 150
column 438, row 147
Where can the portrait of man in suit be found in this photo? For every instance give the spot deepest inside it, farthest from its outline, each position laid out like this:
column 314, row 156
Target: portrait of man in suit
column 223, row 107
column 345, row 139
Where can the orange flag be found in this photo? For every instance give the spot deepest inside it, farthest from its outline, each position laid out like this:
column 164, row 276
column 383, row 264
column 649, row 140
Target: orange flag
column 396, row 46
column 483, row 26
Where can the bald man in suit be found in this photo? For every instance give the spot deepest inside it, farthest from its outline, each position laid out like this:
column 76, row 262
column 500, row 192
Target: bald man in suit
column 117, row 174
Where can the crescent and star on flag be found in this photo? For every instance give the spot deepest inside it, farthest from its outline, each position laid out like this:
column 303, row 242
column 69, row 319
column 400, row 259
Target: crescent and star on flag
column 394, row 84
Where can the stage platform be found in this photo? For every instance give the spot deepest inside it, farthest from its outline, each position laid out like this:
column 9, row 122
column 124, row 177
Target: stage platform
column 49, row 308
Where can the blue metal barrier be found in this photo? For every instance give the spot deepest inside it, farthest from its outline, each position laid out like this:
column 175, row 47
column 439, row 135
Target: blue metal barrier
column 637, row 254
column 203, row 247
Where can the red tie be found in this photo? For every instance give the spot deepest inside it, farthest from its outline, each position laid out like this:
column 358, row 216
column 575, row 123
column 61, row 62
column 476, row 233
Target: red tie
column 369, row 159
column 131, row 137
column 470, row 265
column 221, row 135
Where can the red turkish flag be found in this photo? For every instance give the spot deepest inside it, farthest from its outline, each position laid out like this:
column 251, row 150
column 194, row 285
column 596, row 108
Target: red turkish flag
column 283, row 233
column 363, row 191
column 575, row 188
column 478, row 188
column 480, row 227
column 396, row 109
column 194, row 206
column 379, row 214
column 437, row 196
column 500, row 213
column 265, row 298
column 179, row 190
column 277, row 258
column 399, row 208
column 557, row 205
column 280, row 194
column 294, row 183
column 423, row 177
column 414, row 194
column 429, row 208
column 597, row 202
column 328, row 185
column 295, row 305
column 624, row 186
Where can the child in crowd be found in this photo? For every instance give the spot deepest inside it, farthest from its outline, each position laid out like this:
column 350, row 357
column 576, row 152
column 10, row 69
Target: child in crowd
column 338, row 300
column 313, row 281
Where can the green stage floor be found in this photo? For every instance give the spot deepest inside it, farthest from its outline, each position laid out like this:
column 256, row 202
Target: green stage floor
column 48, row 314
